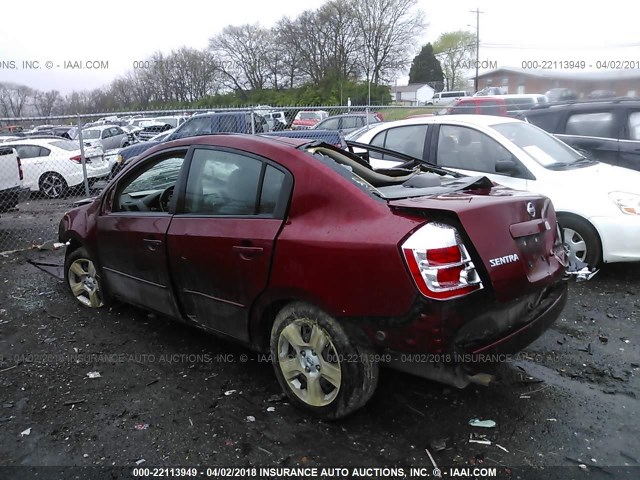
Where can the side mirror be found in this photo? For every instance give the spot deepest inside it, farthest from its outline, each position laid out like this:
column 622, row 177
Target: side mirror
column 507, row 167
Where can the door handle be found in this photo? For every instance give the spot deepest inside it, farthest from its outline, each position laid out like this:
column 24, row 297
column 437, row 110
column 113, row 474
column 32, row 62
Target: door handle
column 152, row 244
column 247, row 253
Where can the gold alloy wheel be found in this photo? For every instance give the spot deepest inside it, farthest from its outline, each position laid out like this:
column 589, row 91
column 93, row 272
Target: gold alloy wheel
column 84, row 283
column 309, row 362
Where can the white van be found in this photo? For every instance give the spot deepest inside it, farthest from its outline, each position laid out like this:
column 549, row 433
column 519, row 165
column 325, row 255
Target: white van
column 445, row 98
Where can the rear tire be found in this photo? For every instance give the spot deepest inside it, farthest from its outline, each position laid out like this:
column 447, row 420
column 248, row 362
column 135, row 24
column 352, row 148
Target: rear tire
column 582, row 239
column 52, row 185
column 319, row 368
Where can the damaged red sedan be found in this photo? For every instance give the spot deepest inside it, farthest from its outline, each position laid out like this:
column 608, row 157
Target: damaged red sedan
column 301, row 250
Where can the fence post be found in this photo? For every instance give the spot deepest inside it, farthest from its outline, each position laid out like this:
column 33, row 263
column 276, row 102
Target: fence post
column 253, row 123
column 83, row 158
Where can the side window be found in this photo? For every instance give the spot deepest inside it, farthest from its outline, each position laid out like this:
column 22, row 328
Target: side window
column 591, row 124
column 193, row 127
column 469, row 149
column 490, row 108
column 462, row 108
column 44, row 152
column 106, row 133
column 150, row 189
column 27, row 151
column 330, row 124
column 222, row 183
column 409, row 140
column 548, row 121
column 352, row 122
column 271, row 188
column 634, row 126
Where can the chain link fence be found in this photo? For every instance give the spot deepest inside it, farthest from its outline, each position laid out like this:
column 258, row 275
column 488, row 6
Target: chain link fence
column 48, row 163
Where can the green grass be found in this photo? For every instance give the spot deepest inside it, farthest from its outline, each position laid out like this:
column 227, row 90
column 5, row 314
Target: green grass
column 402, row 113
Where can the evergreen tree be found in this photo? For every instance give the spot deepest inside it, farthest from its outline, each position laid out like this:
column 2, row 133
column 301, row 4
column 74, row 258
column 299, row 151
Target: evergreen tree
column 425, row 67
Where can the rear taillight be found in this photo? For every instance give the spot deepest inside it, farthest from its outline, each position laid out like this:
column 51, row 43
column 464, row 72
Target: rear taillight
column 77, row 159
column 20, row 172
column 439, row 262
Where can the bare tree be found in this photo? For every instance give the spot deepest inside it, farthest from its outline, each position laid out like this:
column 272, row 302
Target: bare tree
column 46, row 102
column 454, row 50
column 13, row 98
column 289, row 52
column 193, row 74
column 342, row 39
column 243, row 52
column 389, row 29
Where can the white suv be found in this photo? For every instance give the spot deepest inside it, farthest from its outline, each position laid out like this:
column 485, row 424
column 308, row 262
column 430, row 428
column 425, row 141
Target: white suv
column 445, row 98
column 11, row 190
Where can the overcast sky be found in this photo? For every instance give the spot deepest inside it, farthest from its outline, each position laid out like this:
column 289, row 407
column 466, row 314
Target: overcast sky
column 120, row 32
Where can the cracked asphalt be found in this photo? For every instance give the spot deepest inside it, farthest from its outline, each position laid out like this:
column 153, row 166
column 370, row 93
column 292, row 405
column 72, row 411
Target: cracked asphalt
column 168, row 395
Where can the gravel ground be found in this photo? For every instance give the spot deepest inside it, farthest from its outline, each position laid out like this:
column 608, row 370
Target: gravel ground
column 170, row 395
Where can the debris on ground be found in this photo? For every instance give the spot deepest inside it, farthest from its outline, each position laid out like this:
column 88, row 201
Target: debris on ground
column 433, row 462
column 94, row 375
column 474, row 422
column 481, row 439
column 603, row 338
column 141, row 426
column 438, row 444
column 271, row 409
column 251, row 418
column 501, row 447
column 230, row 392
column 277, row 397
column 581, row 270
column 140, row 462
column 26, row 432
column 50, row 245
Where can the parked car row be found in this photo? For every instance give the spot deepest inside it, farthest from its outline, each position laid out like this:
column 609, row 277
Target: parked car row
column 598, row 205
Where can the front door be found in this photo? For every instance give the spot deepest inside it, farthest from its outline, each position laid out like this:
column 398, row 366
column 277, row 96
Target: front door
column 132, row 243
column 221, row 242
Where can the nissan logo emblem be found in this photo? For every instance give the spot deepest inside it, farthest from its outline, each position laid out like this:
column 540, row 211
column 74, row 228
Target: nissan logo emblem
column 531, row 209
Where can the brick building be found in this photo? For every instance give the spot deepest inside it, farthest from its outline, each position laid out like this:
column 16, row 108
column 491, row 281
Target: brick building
column 518, row 80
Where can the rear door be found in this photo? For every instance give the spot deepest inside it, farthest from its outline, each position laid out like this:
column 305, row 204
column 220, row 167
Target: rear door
column 221, row 242
column 629, row 144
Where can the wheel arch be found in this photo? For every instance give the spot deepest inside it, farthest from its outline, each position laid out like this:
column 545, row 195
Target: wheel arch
column 567, row 214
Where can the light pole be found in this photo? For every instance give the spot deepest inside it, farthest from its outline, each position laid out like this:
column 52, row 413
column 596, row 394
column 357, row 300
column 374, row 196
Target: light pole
column 477, row 12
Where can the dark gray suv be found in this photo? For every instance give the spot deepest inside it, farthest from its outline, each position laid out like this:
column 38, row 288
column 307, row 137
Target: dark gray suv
column 606, row 130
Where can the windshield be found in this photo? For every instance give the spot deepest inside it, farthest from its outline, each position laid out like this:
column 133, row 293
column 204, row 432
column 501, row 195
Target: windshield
column 168, row 120
column 66, row 145
column 357, row 133
column 90, row 134
column 544, row 148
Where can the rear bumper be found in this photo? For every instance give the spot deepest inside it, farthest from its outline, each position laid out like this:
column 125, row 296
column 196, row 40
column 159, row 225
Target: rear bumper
column 517, row 338
column 449, row 342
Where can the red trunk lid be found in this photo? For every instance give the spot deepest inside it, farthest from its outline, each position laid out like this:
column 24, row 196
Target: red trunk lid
column 514, row 233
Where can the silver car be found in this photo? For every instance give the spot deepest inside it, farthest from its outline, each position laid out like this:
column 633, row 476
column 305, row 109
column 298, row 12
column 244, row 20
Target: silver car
column 105, row 136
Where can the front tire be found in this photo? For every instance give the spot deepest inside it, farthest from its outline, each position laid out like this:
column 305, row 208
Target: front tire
column 52, row 185
column 81, row 276
column 582, row 239
column 319, row 368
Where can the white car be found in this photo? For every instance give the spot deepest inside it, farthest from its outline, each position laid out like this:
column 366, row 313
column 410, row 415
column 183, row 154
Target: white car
column 598, row 205
column 51, row 166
